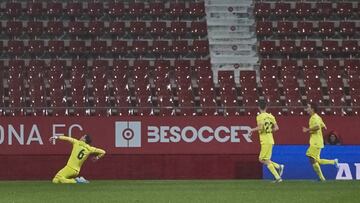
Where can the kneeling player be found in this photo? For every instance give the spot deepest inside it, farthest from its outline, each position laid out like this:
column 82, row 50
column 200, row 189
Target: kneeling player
column 80, row 152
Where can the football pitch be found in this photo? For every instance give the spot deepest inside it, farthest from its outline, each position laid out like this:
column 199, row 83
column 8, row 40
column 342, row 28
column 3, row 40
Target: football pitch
column 247, row 191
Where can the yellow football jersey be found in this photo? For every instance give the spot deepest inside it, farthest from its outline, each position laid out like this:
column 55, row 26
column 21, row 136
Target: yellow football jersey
column 80, row 152
column 316, row 138
column 266, row 121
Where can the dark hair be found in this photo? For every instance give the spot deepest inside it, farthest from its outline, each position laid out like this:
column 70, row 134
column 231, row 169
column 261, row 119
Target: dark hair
column 87, row 139
column 314, row 106
column 262, row 105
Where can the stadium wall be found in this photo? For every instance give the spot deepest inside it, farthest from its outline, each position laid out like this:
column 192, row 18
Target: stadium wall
column 150, row 147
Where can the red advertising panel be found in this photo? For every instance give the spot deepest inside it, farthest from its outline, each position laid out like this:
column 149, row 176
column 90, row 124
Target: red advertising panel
column 159, row 135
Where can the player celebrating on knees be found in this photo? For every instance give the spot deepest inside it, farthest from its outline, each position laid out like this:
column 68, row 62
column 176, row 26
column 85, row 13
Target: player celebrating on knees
column 80, row 152
column 266, row 124
column 316, row 140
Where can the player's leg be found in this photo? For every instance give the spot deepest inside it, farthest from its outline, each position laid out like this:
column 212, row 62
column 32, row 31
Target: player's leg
column 314, row 153
column 65, row 175
column 264, row 158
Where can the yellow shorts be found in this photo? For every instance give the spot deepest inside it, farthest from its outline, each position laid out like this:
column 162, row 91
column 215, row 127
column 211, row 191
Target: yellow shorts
column 66, row 175
column 266, row 151
column 313, row 152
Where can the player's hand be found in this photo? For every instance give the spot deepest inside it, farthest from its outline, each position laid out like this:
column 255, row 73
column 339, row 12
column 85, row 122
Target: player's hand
column 95, row 158
column 52, row 139
column 305, row 130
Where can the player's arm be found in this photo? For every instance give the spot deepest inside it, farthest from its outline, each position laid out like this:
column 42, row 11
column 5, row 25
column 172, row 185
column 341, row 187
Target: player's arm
column 257, row 128
column 311, row 129
column 275, row 127
column 62, row 137
column 98, row 152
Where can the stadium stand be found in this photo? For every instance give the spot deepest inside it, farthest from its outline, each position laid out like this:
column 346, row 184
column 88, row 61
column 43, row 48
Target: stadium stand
column 153, row 58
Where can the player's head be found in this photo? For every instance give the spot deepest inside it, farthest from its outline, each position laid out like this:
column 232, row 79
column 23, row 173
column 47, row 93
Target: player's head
column 312, row 108
column 86, row 139
column 262, row 106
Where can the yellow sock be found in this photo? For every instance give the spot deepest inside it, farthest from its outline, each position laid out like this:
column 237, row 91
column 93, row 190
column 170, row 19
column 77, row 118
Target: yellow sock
column 272, row 169
column 276, row 165
column 318, row 171
column 326, row 161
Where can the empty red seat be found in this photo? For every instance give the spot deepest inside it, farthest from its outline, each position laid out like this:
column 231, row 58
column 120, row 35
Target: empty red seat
column 197, row 9
column 200, row 47
column 160, row 47
column 14, row 28
column 96, row 28
column 36, row 47
column 98, row 48
column 13, row 9
column 119, row 47
column 77, row 47
column 136, row 9
column 137, row 28
column 264, row 28
column 76, row 28
column 267, row 47
column 305, row 28
column 54, row 9
column 282, row 9
column 180, row 47
column 347, row 28
column 177, row 9
column 117, row 28
column 303, row 9
column 56, row 47
column 178, row 28
column 55, row 28
column 34, row 28
column 262, row 9
column 139, row 47
column 117, row 9
column 344, row 9
column 285, row 28
column 198, row 28
column 74, row 9
column 326, row 28
column 156, row 9
column 158, row 28
column 324, row 9
column 287, row 47
column 307, row 47
column 330, row 47
column 350, row 46
column 15, row 47
column 95, row 9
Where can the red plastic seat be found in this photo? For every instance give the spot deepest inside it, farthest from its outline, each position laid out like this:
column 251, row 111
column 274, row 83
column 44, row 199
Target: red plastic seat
column 267, row 47
column 76, row 28
column 262, row 9
column 117, row 9
column 117, row 28
column 35, row 29
column 95, row 9
column 55, row 28
column 282, row 9
column 98, row 48
column 285, row 28
column 180, row 47
column 305, row 28
column 136, row 9
column 14, row 28
column 326, row 28
column 56, row 47
column 77, row 47
column 139, row 47
column 177, row 9
column 73, row 9
column 330, row 47
column 197, row 9
column 324, row 9
column 264, row 28
column 15, row 47
column 198, row 28
column 119, row 47
column 344, row 9
column 178, row 28
column 13, row 9
column 157, row 9
column 287, row 47
column 158, row 28
column 308, row 47
column 160, row 48
column 138, row 28
column 347, row 28
column 200, row 47
column 36, row 47
column 54, row 9
column 96, row 28
column 350, row 46
column 303, row 9
column 34, row 9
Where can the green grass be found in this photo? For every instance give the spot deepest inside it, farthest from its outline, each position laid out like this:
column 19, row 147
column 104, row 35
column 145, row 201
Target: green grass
column 247, row 191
